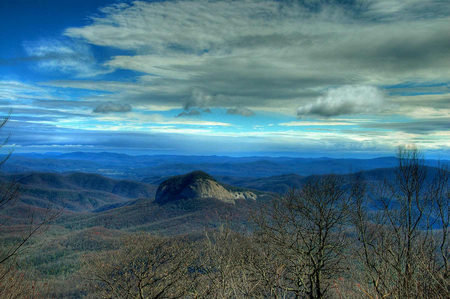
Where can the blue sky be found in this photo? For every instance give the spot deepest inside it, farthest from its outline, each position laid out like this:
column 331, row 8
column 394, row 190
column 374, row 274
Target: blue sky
column 304, row 78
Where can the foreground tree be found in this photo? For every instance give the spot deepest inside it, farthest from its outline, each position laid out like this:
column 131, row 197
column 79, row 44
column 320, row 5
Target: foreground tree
column 305, row 236
column 228, row 262
column 395, row 228
column 145, row 266
column 442, row 197
column 13, row 282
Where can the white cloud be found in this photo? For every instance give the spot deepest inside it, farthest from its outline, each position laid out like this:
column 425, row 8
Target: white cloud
column 139, row 118
column 315, row 123
column 15, row 90
column 345, row 100
column 65, row 56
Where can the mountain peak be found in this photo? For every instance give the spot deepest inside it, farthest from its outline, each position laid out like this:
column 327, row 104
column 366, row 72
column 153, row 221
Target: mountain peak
column 197, row 184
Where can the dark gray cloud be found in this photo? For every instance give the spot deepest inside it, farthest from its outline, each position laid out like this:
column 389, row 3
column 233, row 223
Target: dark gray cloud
column 395, row 54
column 192, row 112
column 202, row 99
column 239, row 110
column 198, row 99
column 112, row 107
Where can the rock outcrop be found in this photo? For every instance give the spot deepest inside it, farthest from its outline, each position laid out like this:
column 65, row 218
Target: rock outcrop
column 199, row 184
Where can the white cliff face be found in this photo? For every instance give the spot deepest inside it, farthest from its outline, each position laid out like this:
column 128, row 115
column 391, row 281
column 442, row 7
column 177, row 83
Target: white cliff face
column 245, row 195
column 210, row 189
column 207, row 189
column 204, row 188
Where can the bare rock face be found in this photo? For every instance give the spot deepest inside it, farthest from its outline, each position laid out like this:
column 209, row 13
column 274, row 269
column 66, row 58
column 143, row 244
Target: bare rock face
column 198, row 184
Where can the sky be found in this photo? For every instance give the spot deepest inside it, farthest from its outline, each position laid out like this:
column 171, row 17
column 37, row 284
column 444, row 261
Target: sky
column 278, row 78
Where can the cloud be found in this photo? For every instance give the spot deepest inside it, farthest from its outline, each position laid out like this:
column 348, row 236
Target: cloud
column 316, row 123
column 160, row 65
column 193, row 112
column 64, row 56
column 399, row 9
column 27, row 111
column 168, row 138
column 202, row 99
column 65, row 104
column 112, row 107
column 323, row 57
column 267, row 54
column 171, row 43
column 15, row 90
column 421, row 127
column 199, row 99
column 205, row 142
column 239, row 110
column 345, row 100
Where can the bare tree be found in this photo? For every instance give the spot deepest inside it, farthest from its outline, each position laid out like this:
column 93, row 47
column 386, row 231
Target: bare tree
column 228, row 262
column 306, row 230
column 395, row 229
column 144, row 267
column 12, row 282
column 440, row 192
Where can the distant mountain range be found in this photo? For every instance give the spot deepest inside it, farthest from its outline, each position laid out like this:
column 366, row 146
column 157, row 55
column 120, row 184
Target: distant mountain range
column 147, row 168
column 95, row 184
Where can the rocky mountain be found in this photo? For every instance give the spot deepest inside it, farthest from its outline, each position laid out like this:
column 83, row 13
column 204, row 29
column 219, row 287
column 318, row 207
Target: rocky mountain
column 199, row 184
